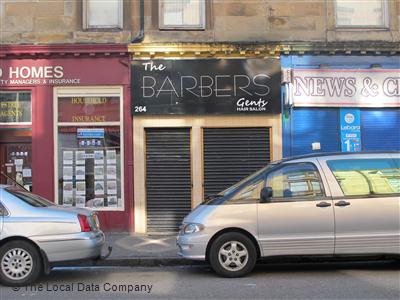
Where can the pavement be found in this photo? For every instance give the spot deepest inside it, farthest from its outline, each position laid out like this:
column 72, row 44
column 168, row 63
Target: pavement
column 132, row 249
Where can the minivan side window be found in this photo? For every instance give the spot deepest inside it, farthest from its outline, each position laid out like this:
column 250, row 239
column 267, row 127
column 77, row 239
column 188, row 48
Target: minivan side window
column 364, row 177
column 295, row 182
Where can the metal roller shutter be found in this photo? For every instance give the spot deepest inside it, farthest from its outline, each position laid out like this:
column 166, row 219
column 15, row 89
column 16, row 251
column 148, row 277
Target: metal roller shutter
column 380, row 129
column 168, row 178
column 230, row 154
column 315, row 125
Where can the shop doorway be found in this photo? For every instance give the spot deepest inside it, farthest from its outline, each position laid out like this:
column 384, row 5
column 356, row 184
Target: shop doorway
column 230, row 154
column 168, row 178
column 16, row 162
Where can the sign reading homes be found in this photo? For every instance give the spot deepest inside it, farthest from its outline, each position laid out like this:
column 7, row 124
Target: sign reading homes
column 35, row 75
column 355, row 88
column 206, row 86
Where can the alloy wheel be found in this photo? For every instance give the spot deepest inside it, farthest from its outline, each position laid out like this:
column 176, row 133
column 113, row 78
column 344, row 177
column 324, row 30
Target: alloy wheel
column 233, row 256
column 17, row 264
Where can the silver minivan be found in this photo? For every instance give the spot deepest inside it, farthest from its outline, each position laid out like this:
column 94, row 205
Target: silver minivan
column 321, row 205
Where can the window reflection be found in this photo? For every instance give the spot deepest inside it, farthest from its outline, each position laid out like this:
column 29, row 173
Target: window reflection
column 295, row 181
column 367, row 176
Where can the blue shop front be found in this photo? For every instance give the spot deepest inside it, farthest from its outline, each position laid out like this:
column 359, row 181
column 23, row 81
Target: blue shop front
column 340, row 104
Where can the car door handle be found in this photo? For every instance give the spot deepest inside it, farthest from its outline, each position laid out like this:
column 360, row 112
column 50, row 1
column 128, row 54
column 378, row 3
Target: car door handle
column 342, row 203
column 323, row 204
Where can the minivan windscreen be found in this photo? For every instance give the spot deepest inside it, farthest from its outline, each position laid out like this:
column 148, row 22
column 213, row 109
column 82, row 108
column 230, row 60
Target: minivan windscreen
column 234, row 187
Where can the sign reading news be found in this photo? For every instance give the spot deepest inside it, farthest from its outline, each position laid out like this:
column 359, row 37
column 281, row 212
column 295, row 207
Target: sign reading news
column 350, row 129
column 351, row 88
column 206, row 86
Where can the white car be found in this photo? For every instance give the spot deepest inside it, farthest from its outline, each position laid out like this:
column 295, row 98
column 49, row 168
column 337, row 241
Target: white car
column 36, row 233
column 321, row 205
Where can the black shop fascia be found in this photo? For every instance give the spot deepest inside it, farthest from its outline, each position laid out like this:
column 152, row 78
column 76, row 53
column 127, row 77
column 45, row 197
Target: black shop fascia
column 206, row 86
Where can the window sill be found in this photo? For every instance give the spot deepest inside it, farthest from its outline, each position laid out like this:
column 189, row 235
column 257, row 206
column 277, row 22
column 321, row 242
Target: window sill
column 103, row 29
column 181, row 29
column 361, row 28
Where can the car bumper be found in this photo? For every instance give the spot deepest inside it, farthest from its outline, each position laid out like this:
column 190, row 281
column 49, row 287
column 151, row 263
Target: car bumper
column 68, row 247
column 192, row 246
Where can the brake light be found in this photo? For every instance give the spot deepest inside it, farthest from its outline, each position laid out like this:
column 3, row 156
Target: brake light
column 84, row 222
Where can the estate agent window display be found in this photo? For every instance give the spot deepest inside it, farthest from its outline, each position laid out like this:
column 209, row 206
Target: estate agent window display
column 89, row 168
column 16, row 149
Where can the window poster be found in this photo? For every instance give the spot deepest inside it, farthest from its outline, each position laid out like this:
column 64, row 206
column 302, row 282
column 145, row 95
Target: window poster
column 80, row 187
column 99, row 187
column 98, row 172
column 98, row 202
column 98, row 157
column 111, row 187
column 80, row 201
column 80, row 172
column 67, row 155
column 111, row 172
column 19, row 162
column 90, row 172
column 67, row 188
column 27, row 173
column 111, row 157
column 67, row 172
column 67, row 200
column 112, row 201
column 80, row 157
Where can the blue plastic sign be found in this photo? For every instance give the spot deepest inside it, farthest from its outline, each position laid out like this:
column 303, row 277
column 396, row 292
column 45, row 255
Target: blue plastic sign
column 89, row 133
column 350, row 129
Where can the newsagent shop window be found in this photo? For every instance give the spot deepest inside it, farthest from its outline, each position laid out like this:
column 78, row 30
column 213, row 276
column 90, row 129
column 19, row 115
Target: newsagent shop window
column 89, row 148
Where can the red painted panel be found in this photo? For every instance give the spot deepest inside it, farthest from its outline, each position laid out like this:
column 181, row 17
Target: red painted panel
column 72, row 71
column 42, row 142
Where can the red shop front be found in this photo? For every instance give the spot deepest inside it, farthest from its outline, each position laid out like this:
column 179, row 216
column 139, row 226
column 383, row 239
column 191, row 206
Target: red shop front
column 65, row 126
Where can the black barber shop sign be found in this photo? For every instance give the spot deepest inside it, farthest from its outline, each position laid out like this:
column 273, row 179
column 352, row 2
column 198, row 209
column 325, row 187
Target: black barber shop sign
column 206, row 86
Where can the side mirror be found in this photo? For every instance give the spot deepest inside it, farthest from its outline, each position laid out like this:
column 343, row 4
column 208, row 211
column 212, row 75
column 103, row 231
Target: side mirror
column 266, row 194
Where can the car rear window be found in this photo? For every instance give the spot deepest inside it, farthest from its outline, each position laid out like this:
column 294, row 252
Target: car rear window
column 29, row 198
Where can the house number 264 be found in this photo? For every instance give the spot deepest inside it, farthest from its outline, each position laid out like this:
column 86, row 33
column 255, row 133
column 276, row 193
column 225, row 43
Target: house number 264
column 140, row 109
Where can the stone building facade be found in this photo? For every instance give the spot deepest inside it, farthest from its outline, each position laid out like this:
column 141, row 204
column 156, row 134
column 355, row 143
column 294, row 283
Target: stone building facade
column 247, row 21
column 220, row 56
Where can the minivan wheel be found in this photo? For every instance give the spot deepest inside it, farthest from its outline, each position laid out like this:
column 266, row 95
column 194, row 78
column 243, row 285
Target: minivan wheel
column 233, row 255
column 20, row 263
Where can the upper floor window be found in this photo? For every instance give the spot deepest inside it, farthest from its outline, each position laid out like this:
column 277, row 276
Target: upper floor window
column 353, row 14
column 182, row 14
column 100, row 14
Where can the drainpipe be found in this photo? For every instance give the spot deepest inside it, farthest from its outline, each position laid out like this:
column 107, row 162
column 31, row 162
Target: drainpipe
column 140, row 36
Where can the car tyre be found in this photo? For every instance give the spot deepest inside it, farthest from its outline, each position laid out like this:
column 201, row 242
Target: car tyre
column 20, row 263
column 232, row 254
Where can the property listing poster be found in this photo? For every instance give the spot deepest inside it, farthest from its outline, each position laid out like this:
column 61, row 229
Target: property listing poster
column 90, row 171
